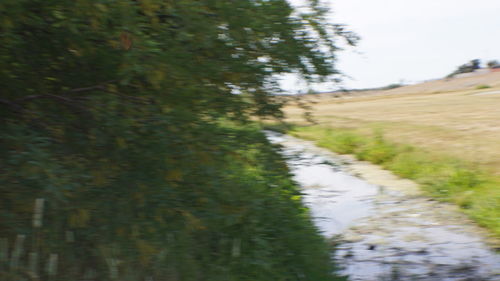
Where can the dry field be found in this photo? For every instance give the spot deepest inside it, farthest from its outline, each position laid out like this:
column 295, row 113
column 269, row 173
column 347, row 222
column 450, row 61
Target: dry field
column 452, row 116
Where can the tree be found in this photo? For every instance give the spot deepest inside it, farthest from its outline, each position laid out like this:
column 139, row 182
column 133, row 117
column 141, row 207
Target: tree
column 121, row 116
column 493, row 64
column 466, row 68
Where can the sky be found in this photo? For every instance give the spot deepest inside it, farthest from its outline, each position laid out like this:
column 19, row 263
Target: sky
column 410, row 41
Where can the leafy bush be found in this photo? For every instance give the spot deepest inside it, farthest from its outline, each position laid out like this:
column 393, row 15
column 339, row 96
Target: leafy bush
column 233, row 214
column 392, row 86
column 466, row 68
column 115, row 113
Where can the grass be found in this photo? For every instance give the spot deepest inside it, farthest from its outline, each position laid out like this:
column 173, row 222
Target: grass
column 444, row 177
column 482, row 86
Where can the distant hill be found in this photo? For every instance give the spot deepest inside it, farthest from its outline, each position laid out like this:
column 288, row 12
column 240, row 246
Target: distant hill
column 468, row 82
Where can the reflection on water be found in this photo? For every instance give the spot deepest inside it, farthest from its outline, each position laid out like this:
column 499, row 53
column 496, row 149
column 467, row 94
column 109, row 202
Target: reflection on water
column 327, row 189
column 387, row 235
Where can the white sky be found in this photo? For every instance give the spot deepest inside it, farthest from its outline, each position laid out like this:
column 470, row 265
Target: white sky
column 413, row 40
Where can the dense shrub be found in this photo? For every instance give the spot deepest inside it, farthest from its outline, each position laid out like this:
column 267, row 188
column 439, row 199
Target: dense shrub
column 113, row 113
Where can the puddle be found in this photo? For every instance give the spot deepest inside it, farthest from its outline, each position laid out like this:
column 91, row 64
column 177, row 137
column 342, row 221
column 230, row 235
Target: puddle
column 388, row 230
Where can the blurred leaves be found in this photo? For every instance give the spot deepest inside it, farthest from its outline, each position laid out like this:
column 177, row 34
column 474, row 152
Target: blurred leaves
column 131, row 120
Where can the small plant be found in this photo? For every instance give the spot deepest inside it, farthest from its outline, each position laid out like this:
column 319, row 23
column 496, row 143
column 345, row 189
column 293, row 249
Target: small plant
column 482, row 86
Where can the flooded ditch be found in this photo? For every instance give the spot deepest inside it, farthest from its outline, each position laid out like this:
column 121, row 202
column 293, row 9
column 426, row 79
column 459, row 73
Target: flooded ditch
column 386, row 230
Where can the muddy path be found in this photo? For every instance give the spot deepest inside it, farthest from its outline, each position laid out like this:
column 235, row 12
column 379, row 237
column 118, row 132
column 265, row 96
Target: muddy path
column 387, row 230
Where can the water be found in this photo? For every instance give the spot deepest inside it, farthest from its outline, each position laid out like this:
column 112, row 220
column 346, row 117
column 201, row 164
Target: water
column 387, row 232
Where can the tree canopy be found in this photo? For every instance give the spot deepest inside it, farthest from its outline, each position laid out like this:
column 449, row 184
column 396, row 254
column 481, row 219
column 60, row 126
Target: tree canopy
column 493, row 64
column 212, row 57
column 467, row 67
column 130, row 121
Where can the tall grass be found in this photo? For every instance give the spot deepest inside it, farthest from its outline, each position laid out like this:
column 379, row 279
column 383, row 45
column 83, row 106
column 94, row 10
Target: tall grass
column 444, row 177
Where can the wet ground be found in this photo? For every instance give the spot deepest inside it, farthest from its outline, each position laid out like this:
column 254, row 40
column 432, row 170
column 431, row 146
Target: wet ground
column 386, row 229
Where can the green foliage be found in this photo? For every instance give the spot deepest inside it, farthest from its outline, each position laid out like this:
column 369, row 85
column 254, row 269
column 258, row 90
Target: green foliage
column 482, row 86
column 215, row 202
column 281, row 127
column 344, row 142
column 111, row 113
column 392, row 86
column 466, row 68
column 493, row 64
column 341, row 141
column 440, row 176
column 377, row 151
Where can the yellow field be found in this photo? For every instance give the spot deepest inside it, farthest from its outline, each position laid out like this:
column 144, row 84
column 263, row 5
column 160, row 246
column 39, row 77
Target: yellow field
column 452, row 117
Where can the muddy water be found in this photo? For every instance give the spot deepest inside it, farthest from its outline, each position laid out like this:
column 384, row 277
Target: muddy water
column 386, row 228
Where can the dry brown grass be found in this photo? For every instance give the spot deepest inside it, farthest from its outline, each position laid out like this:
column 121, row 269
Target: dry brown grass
column 445, row 116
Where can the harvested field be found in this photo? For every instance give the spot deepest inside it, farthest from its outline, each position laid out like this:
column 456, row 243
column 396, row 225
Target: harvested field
column 449, row 116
